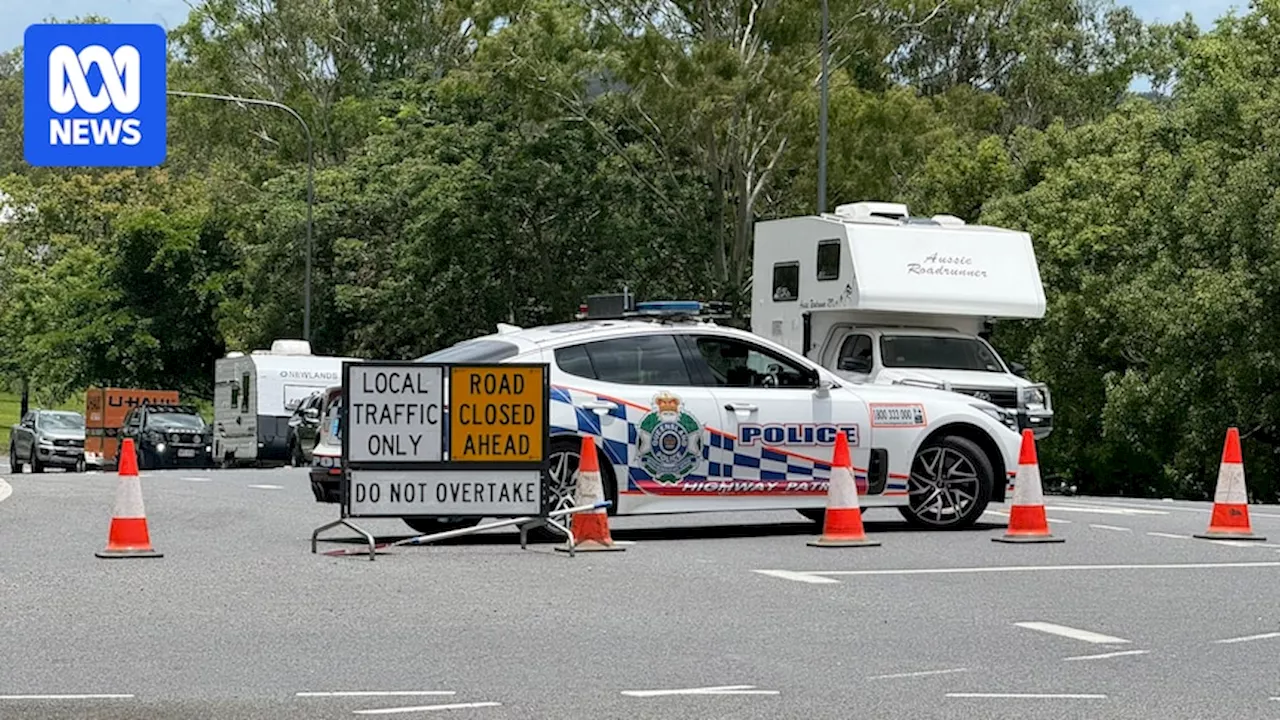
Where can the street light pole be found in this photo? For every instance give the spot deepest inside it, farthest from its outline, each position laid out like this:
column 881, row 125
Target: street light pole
column 311, row 169
column 822, row 115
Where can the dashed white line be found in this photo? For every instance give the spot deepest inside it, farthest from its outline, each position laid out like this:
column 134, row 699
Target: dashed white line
column 1033, row 696
column 1052, row 520
column 267, row 487
column 426, row 708
column 377, row 693
column 1249, row 638
column 1105, row 656
column 196, row 479
column 1073, row 633
column 1169, row 535
column 816, row 576
column 105, row 696
column 1111, row 527
column 922, row 673
column 718, row 690
column 1103, row 510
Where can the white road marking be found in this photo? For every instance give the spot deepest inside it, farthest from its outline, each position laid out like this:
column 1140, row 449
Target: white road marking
column 1104, row 656
column 1202, row 511
column 1169, row 535
column 1073, row 633
column 719, row 690
column 1103, row 510
column 426, row 708
column 1248, row 638
column 267, row 487
column 922, row 673
column 798, row 576
column 1052, row 520
column 196, row 479
column 68, row 697
column 376, row 693
column 1111, row 527
column 817, row 576
column 5, row 490
column 1037, row 696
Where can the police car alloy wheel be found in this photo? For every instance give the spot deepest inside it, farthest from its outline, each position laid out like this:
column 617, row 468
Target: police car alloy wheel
column 950, row 484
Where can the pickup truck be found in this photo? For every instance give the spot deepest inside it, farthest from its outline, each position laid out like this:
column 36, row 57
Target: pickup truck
column 47, row 438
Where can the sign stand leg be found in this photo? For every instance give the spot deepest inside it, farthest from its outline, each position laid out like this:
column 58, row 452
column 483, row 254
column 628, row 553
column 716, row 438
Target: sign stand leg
column 545, row 522
column 343, row 522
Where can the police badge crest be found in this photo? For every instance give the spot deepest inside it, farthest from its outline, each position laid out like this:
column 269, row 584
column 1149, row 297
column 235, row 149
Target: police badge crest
column 670, row 440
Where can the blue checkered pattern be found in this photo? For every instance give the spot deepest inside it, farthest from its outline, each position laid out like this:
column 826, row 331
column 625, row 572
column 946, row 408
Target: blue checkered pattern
column 617, row 433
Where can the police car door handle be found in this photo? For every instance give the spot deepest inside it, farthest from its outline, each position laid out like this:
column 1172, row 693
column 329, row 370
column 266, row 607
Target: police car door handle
column 600, row 405
column 740, row 407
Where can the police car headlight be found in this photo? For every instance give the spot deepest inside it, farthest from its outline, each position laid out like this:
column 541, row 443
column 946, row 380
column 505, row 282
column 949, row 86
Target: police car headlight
column 1035, row 397
column 1000, row 415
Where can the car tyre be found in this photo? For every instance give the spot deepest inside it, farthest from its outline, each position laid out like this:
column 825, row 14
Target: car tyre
column 428, row 525
column 950, row 484
column 36, row 465
column 79, row 468
column 15, row 465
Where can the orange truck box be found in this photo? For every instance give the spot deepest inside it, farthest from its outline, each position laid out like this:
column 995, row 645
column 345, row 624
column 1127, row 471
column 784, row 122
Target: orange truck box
column 104, row 411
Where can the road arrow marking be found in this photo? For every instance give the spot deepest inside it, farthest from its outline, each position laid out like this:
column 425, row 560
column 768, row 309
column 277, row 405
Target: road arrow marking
column 1104, row 656
column 426, row 708
column 1249, row 638
column 803, row 577
column 719, row 690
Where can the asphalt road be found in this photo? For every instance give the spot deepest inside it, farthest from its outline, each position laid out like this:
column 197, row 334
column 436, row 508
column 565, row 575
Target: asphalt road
column 1130, row 617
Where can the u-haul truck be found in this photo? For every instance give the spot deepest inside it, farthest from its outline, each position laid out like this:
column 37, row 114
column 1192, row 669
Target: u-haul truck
column 104, row 412
column 878, row 296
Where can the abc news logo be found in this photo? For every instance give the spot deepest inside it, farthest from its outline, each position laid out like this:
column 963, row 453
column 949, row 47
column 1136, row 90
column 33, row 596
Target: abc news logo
column 94, row 95
column 69, row 89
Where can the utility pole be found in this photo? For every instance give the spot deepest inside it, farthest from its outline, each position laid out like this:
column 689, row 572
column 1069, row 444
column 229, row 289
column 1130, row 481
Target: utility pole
column 311, row 170
column 822, row 114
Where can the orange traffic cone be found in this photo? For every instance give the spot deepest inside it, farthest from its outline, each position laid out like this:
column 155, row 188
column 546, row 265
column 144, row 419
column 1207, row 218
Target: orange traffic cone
column 1230, row 519
column 842, row 523
column 128, row 537
column 591, row 527
column 1027, row 521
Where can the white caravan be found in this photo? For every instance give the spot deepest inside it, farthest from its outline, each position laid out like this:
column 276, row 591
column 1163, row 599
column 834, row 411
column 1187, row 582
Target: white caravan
column 255, row 394
column 878, row 296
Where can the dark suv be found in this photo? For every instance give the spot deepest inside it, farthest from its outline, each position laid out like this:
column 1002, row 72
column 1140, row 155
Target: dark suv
column 169, row 436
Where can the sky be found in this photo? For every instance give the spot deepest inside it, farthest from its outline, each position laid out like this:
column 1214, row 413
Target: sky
column 16, row 15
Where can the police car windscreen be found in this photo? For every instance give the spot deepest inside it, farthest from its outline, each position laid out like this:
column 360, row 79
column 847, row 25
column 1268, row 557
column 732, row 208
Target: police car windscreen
column 938, row 352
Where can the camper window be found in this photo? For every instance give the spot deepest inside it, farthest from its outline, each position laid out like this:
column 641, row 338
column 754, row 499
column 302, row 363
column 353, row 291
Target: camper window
column 235, row 394
column 244, row 397
column 786, row 281
column 829, row 260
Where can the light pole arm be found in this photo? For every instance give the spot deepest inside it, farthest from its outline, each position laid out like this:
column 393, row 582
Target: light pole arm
column 311, row 169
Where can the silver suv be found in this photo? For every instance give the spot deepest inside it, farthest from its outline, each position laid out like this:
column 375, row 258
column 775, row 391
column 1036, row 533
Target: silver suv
column 47, row 438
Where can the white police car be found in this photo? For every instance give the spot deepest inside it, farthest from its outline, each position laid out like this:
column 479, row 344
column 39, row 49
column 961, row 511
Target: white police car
column 690, row 416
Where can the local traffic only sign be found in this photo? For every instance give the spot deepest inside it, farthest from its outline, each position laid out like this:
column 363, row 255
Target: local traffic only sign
column 424, row 439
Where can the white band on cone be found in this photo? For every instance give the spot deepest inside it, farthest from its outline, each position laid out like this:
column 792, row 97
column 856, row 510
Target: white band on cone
column 1231, row 489
column 129, row 498
column 590, row 488
column 1026, row 489
column 842, row 490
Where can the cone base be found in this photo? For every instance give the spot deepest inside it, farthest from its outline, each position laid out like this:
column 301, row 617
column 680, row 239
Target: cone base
column 1028, row 539
column 842, row 542
column 111, row 554
column 590, row 546
column 1228, row 535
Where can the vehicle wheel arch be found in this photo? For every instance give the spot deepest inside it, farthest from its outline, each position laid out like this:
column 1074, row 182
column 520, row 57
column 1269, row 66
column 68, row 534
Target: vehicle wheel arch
column 983, row 440
column 607, row 472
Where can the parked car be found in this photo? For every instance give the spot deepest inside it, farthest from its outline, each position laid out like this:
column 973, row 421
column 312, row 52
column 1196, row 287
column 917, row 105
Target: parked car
column 326, row 455
column 47, row 438
column 169, row 436
column 304, row 429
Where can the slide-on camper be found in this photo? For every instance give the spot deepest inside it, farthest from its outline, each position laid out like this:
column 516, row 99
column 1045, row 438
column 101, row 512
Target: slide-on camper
column 255, row 394
column 878, row 296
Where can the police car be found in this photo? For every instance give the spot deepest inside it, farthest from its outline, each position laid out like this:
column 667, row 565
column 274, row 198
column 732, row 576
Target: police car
column 691, row 416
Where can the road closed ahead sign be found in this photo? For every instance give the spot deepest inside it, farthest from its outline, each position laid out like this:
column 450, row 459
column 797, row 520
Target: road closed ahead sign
column 438, row 440
column 497, row 413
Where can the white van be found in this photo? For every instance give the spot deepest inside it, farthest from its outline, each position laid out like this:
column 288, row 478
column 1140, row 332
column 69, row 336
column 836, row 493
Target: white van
column 255, row 394
column 878, row 296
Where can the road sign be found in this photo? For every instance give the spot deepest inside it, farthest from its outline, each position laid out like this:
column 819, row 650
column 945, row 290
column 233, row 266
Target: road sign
column 422, row 439
column 497, row 413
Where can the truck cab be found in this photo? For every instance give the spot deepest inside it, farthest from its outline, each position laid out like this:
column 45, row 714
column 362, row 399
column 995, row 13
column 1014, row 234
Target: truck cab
column 878, row 296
